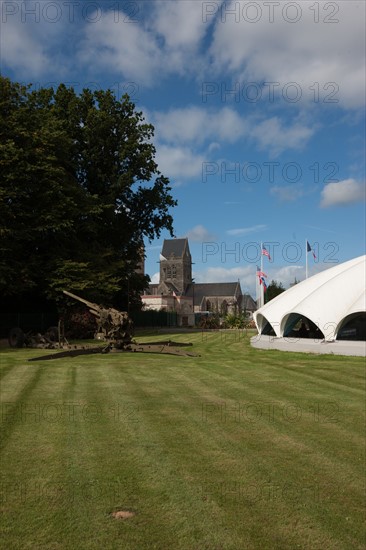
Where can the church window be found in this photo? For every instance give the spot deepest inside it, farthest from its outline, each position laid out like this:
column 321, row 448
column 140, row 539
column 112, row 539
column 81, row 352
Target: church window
column 169, row 273
column 174, row 272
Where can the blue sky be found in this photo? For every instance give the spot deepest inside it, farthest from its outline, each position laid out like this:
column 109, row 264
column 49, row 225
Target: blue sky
column 258, row 110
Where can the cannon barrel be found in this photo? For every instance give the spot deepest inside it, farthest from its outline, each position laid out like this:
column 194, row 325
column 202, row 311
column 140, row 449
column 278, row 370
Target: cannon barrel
column 86, row 302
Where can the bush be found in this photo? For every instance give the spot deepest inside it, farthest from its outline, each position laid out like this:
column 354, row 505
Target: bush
column 210, row 321
column 235, row 321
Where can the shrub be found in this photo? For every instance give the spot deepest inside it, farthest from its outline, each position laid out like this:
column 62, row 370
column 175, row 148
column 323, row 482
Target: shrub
column 210, row 321
column 235, row 321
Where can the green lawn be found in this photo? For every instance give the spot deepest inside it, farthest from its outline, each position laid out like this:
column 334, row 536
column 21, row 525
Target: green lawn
column 235, row 449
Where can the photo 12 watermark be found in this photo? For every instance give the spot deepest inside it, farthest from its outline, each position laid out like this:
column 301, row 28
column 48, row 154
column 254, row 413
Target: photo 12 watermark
column 221, row 412
column 270, row 92
column 269, row 172
column 291, row 252
column 70, row 12
column 271, row 12
column 52, row 412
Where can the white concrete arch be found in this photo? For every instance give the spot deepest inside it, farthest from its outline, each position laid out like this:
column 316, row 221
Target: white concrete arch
column 326, row 299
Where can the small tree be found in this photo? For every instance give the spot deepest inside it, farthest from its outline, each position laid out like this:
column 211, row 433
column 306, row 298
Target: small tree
column 273, row 290
column 233, row 320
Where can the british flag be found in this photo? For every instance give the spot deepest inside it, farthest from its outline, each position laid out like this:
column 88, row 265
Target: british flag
column 260, row 273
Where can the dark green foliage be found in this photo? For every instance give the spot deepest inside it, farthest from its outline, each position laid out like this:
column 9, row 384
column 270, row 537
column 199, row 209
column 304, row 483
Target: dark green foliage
column 273, row 290
column 79, row 191
column 210, row 321
column 235, row 321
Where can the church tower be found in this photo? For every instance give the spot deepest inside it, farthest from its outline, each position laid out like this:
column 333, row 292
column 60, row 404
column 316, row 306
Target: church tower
column 175, row 267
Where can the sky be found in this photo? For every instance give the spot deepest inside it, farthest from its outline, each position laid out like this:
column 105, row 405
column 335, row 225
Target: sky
column 258, row 109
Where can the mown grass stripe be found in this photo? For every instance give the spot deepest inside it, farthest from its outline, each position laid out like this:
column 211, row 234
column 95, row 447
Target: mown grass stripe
column 14, row 414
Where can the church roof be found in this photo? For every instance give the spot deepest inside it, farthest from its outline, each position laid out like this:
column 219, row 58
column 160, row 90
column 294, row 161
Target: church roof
column 248, row 303
column 174, row 246
column 202, row 290
column 155, row 288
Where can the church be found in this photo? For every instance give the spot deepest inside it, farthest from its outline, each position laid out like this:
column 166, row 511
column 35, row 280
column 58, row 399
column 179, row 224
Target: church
column 176, row 290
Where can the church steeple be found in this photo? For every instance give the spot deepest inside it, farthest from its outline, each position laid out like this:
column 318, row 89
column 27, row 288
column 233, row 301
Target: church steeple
column 175, row 266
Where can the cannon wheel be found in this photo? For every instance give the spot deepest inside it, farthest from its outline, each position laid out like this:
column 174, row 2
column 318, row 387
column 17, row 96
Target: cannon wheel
column 16, row 338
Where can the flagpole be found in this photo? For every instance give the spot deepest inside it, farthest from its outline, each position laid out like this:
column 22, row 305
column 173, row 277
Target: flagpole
column 306, row 259
column 261, row 286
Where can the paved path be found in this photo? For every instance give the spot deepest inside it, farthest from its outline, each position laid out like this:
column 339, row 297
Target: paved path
column 307, row 345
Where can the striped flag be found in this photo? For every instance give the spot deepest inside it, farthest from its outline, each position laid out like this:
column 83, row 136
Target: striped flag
column 263, row 282
column 260, row 273
column 308, row 249
column 266, row 253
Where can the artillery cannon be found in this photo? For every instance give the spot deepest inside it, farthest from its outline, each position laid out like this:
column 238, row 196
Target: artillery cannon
column 116, row 328
column 113, row 326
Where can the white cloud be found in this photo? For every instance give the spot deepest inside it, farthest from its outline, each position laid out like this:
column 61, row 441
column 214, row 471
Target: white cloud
column 273, row 135
column 342, row 193
column 134, row 52
column 246, row 230
column 246, row 276
column 287, row 274
column 199, row 233
column 35, row 41
column 304, row 52
column 22, row 47
column 324, row 59
column 179, row 163
column 180, row 23
column 164, row 39
column 222, row 274
column 198, row 125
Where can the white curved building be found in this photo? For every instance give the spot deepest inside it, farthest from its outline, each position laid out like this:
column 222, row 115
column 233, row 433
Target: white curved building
column 330, row 306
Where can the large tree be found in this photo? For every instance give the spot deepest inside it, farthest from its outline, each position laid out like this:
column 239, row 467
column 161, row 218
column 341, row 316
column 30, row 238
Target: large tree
column 79, row 191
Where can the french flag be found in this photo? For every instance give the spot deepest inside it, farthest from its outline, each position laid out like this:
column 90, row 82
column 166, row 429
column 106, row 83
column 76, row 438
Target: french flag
column 308, row 249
